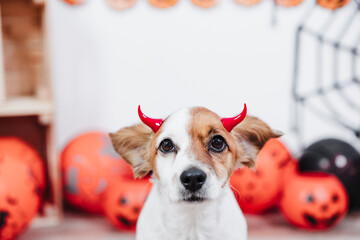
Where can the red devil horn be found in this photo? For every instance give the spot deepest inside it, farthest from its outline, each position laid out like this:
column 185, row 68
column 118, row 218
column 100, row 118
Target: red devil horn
column 154, row 124
column 230, row 123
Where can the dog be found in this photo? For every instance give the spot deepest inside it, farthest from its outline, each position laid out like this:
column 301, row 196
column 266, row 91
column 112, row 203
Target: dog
column 191, row 156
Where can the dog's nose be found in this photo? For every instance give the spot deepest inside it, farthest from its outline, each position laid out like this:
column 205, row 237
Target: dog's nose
column 193, row 179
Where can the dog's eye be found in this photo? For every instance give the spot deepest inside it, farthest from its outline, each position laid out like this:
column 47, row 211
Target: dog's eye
column 166, row 146
column 217, row 144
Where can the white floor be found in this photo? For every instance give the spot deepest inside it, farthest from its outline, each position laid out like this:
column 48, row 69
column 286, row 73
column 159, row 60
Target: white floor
column 263, row 227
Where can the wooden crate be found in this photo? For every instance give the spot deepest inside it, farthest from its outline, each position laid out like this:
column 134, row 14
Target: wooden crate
column 26, row 103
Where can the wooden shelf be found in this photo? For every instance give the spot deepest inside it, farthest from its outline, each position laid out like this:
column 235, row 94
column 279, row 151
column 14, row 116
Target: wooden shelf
column 25, row 106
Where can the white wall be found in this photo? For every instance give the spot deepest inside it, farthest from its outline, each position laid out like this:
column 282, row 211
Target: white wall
column 106, row 62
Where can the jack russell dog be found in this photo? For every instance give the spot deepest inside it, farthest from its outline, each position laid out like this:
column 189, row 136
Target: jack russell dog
column 191, row 155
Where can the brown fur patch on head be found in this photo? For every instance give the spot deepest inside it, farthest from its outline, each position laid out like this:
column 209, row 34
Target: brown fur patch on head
column 133, row 144
column 204, row 126
column 244, row 142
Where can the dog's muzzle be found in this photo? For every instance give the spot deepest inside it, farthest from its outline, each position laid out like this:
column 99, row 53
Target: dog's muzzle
column 193, row 179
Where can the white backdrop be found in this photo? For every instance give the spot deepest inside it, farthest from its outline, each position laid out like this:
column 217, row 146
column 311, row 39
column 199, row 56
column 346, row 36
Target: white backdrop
column 106, row 62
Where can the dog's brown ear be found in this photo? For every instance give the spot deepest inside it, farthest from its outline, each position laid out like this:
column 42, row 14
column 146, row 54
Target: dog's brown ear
column 133, row 144
column 251, row 135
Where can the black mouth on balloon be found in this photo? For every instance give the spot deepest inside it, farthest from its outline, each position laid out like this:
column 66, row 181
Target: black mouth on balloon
column 125, row 221
column 3, row 216
column 327, row 222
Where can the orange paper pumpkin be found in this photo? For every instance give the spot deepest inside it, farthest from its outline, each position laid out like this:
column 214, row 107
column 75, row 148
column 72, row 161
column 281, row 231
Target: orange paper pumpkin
column 75, row 2
column 89, row 164
column 288, row 3
column 332, row 4
column 163, row 3
column 258, row 190
column 19, row 197
column 19, row 150
column 248, row 2
column 205, row 3
column 121, row 4
column 123, row 202
column 314, row 201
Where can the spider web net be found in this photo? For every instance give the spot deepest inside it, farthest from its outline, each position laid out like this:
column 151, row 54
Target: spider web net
column 326, row 78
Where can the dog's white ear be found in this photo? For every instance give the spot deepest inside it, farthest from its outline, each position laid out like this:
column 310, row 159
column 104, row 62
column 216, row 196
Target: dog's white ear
column 251, row 135
column 133, row 144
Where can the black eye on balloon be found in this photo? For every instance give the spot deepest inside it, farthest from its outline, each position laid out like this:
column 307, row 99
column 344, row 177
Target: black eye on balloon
column 335, row 198
column 310, row 199
column 217, row 144
column 122, row 201
column 166, row 146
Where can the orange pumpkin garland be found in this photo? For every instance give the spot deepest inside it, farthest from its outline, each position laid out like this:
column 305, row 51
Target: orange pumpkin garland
column 248, row 2
column 121, row 4
column 332, row 4
column 75, row 2
column 205, row 3
column 162, row 3
column 288, row 3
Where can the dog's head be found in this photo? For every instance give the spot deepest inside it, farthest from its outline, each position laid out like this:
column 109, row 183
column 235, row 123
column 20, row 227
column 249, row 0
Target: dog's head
column 193, row 152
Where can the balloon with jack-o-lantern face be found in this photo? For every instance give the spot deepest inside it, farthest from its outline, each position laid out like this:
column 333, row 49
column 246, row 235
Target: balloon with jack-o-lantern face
column 123, row 201
column 314, row 201
column 336, row 157
column 89, row 164
column 19, row 196
column 258, row 190
column 19, row 150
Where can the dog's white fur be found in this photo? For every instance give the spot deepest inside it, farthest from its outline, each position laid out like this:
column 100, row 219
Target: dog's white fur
column 165, row 214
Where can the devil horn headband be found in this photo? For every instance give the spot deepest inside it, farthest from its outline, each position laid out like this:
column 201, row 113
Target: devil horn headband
column 153, row 123
column 229, row 123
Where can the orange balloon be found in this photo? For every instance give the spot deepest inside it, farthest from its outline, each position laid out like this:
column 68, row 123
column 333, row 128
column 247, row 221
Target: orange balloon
column 288, row 3
column 121, row 4
column 89, row 164
column 257, row 191
column 19, row 198
column 332, row 4
column 163, row 3
column 314, row 201
column 248, row 2
column 75, row 2
column 204, row 3
column 19, row 150
column 123, row 202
